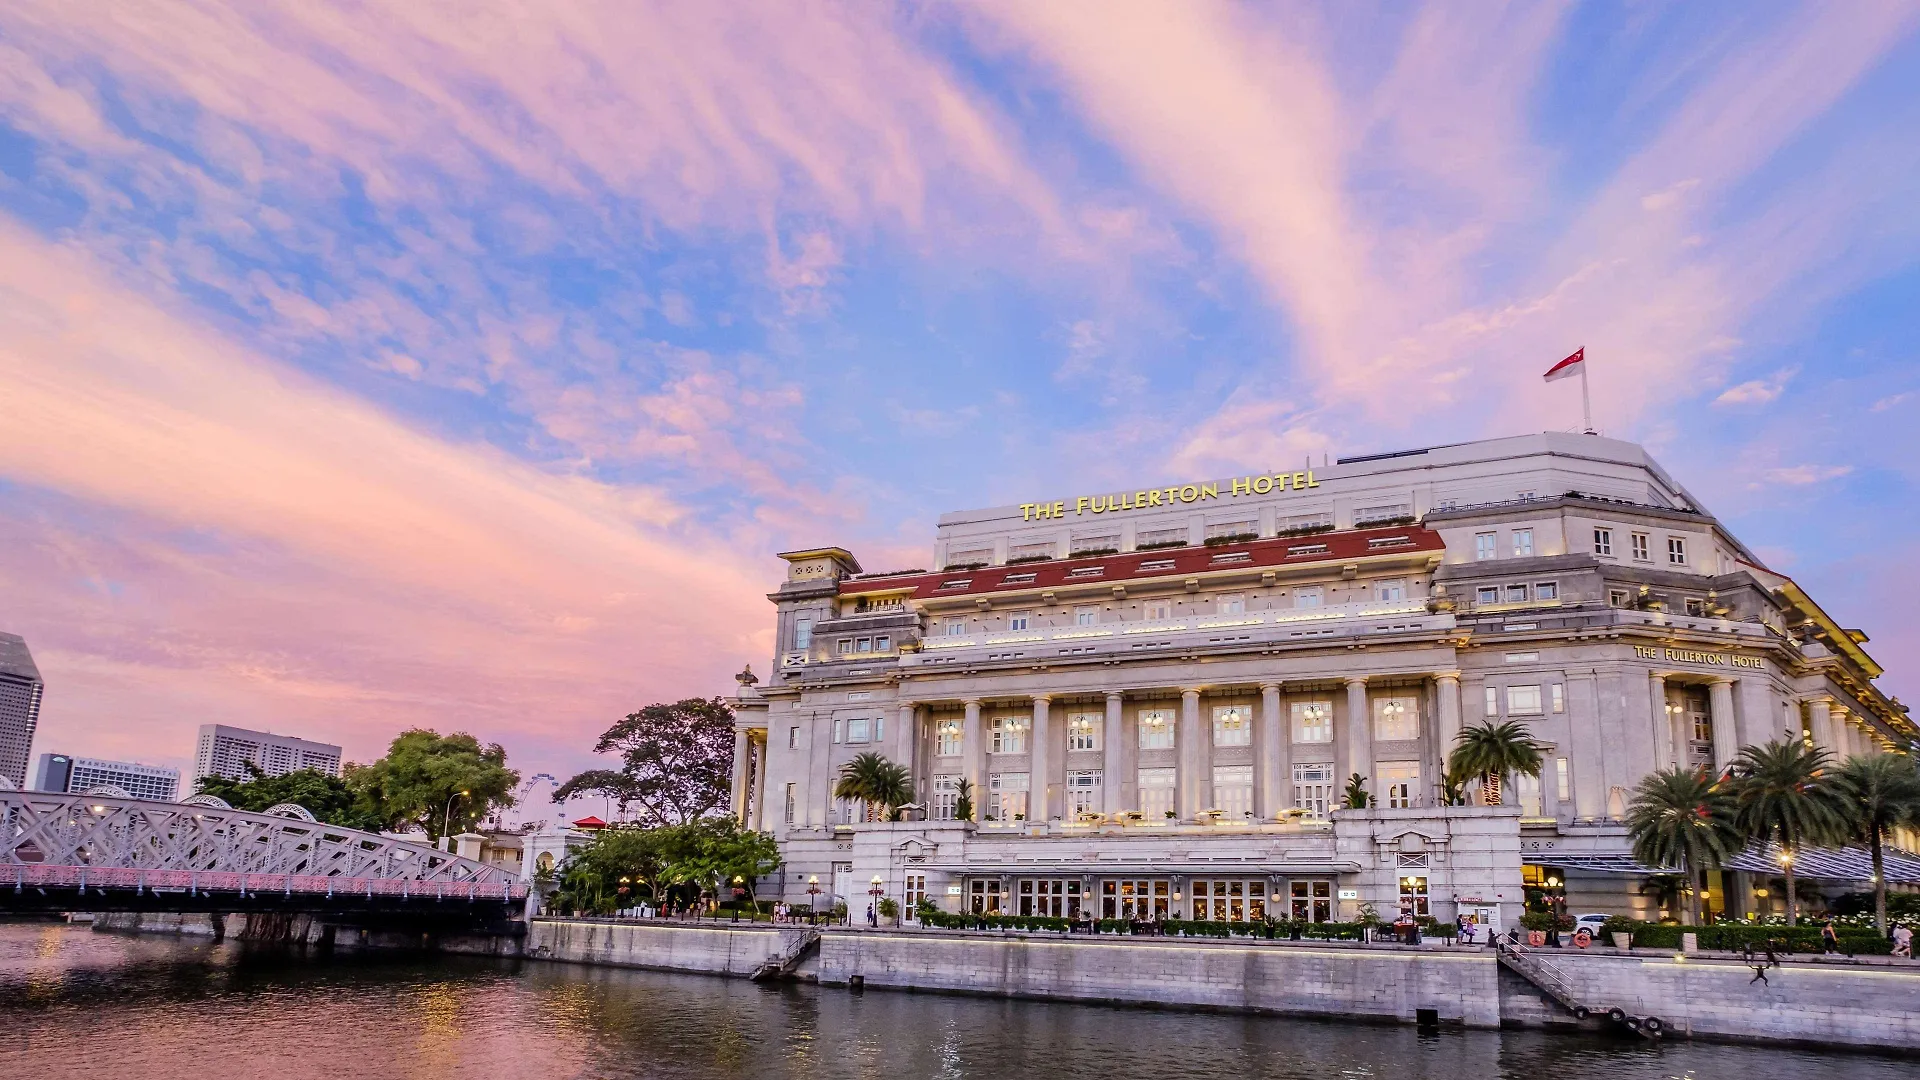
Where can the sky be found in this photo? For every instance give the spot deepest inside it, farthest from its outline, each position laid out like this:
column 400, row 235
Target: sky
column 377, row 365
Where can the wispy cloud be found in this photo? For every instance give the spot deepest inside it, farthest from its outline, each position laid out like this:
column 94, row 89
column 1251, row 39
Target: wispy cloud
column 1802, row 475
column 1757, row 391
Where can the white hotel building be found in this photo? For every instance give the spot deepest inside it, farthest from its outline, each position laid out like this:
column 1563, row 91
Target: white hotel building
column 1157, row 696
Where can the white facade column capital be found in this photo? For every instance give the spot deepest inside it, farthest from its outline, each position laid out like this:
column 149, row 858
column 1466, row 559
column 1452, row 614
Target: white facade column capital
column 1190, row 693
column 1270, row 686
column 1447, row 677
column 1116, row 696
column 1355, row 680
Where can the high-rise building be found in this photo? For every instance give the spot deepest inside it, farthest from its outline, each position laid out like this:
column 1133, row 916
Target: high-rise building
column 20, row 692
column 59, row 772
column 225, row 751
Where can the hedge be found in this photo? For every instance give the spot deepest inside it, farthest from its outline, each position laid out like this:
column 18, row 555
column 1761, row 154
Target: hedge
column 1732, row 937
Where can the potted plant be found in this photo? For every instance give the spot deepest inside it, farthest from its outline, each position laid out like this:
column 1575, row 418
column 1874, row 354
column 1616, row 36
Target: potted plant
column 889, row 908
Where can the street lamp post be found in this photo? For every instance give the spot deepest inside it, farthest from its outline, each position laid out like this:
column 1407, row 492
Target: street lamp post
column 446, row 822
column 739, row 894
column 813, row 897
column 873, row 905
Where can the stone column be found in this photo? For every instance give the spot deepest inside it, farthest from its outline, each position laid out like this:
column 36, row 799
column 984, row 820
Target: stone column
column 1843, row 733
column 1663, row 747
column 1192, row 745
column 1820, row 721
column 759, row 813
column 741, row 747
column 1726, row 737
column 906, row 740
column 973, row 747
column 1446, row 725
column 1040, row 785
column 1359, row 734
column 1271, row 774
column 1113, row 756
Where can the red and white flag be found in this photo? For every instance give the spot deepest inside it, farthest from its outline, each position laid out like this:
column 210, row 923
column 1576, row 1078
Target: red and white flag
column 1570, row 367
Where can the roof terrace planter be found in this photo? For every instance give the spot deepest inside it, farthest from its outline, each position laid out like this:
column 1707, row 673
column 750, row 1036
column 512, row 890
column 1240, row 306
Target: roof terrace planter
column 1094, row 553
column 1160, row 545
column 1231, row 538
column 1304, row 530
column 1386, row 522
column 955, row 567
column 1029, row 559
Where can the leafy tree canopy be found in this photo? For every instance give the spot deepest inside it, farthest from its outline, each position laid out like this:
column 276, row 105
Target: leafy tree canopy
column 700, row 857
column 424, row 771
column 676, row 762
column 325, row 796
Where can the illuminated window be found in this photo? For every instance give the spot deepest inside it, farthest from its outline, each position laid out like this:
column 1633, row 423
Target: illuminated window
column 1559, row 697
column 1313, row 787
column 1396, row 718
column 1523, row 701
column 1009, row 734
column 1083, row 730
column 1399, row 783
column 1083, row 791
column 1522, row 543
column 1312, row 721
column 858, row 729
column 1232, row 725
column 1156, row 729
column 947, row 738
column 1006, row 796
column 1233, row 790
column 1157, row 610
column 1156, row 793
column 1485, row 546
column 946, row 794
column 802, row 633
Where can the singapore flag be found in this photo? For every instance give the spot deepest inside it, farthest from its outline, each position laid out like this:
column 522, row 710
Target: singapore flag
column 1570, row 367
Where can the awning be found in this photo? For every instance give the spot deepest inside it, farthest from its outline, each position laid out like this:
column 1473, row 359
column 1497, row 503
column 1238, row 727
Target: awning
column 1842, row 864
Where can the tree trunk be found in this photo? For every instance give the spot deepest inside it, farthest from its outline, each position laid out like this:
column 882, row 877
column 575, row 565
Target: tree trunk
column 1879, row 881
column 1793, row 898
column 1695, row 880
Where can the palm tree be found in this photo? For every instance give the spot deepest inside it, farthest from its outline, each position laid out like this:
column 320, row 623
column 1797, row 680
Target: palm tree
column 1492, row 751
column 875, row 781
column 1682, row 817
column 1883, row 794
column 963, row 800
column 1782, row 793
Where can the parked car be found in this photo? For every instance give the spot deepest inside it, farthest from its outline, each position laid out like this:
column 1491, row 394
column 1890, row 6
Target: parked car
column 1591, row 923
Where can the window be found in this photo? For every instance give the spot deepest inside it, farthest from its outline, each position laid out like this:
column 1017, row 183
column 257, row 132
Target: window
column 1006, row 796
column 1484, row 546
column 1083, row 792
column 839, row 729
column 947, row 737
column 1392, row 590
column 1233, row 790
column 1677, row 550
column 1149, row 565
column 1312, row 900
column 1603, row 541
column 882, row 644
column 1516, row 594
column 1232, row 725
column 983, row 896
column 1135, row 899
column 1230, row 900
column 956, row 625
column 1641, row 553
column 916, row 893
column 1087, row 571
column 1523, row 701
column 1312, row 721
column 859, row 729
column 1413, row 897
column 1232, row 528
column 1369, row 515
column 1546, row 590
column 1157, row 610
column 1083, row 730
column 946, row 796
column 1052, row 898
column 1156, row 793
column 1019, row 620
column 1522, row 543
column 1086, row 616
column 863, row 645
column 793, row 738
column 1156, row 729
column 1018, row 579
column 1232, row 604
column 1399, row 783
column 1298, row 550
column 1313, row 787
column 1559, row 694
column 802, row 633
column 1696, row 607
column 1009, row 734
column 843, row 647
column 1493, row 702
column 1618, row 598
column 1396, row 718
column 1563, row 781
column 1527, row 790
column 1307, row 596
column 1487, row 594
column 792, row 796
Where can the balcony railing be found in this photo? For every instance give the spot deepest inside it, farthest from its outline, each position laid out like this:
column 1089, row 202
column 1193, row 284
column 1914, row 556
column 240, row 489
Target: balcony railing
column 1290, row 624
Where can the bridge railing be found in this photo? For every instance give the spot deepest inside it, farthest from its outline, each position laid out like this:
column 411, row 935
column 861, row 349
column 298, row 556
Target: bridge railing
column 54, row 838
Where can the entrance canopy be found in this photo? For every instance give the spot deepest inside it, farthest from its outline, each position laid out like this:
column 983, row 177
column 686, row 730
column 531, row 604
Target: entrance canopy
column 1843, row 864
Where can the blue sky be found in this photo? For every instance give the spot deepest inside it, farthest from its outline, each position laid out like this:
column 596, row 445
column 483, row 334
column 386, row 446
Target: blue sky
column 387, row 365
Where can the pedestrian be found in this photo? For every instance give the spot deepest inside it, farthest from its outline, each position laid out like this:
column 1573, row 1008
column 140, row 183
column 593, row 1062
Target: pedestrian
column 1829, row 938
column 873, row 916
column 1759, row 975
column 1772, row 960
column 1903, row 941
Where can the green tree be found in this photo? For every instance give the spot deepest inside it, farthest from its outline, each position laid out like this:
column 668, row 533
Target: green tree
column 1493, row 752
column 433, row 781
column 963, row 800
column 1357, row 797
column 874, row 780
column 676, row 762
column 1782, row 794
column 1683, row 818
column 1883, row 794
column 325, row 796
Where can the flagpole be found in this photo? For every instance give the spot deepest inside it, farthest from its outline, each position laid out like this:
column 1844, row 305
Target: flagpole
column 1586, row 402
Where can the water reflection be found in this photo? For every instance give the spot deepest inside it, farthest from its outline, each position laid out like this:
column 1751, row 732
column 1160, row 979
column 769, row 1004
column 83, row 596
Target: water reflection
column 78, row 1004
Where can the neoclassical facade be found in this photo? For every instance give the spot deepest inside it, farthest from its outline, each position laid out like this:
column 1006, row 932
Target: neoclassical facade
column 1157, row 699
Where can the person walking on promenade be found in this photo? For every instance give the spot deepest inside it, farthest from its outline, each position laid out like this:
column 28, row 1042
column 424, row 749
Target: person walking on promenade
column 1903, row 941
column 1772, row 960
column 1759, row 975
column 1829, row 938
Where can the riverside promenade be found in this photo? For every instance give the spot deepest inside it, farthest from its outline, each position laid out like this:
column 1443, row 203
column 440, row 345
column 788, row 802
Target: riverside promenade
column 1865, row 1003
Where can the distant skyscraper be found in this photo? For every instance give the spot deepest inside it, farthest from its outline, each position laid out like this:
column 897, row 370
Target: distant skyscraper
column 20, row 692
column 224, row 751
column 58, row 772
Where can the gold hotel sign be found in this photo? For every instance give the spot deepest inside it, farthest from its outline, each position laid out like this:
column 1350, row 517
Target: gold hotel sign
column 1694, row 656
column 1147, row 498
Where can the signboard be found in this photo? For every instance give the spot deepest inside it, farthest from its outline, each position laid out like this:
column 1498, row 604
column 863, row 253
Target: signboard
column 953, row 890
column 1349, row 894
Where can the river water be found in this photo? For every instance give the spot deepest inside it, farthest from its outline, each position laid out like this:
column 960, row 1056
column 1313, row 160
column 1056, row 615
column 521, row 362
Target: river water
column 79, row 1004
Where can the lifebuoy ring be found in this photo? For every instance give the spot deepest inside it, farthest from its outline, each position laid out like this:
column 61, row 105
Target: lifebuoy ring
column 1582, row 938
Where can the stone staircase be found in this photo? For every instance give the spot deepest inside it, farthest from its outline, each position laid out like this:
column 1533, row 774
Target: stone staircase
column 795, row 944
column 1553, row 979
